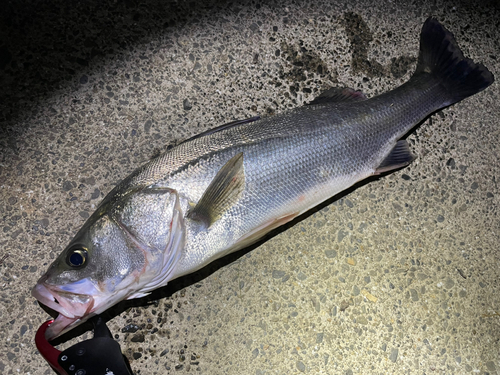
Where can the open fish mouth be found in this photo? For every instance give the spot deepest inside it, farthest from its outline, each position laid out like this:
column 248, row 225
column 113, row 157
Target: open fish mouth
column 72, row 307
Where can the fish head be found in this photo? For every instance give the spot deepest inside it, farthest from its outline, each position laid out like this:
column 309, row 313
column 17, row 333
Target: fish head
column 123, row 251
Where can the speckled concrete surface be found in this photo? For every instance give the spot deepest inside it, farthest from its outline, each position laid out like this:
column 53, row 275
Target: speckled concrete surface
column 401, row 276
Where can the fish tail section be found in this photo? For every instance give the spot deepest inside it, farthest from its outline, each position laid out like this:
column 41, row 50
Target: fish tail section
column 441, row 57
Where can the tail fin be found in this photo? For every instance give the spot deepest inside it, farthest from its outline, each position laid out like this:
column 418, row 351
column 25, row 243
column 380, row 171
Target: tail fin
column 441, row 56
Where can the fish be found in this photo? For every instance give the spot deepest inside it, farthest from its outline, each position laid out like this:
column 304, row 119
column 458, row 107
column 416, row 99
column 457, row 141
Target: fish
column 224, row 189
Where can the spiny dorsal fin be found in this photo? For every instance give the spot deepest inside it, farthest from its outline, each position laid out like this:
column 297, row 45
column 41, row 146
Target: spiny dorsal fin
column 399, row 157
column 229, row 125
column 338, row 94
column 222, row 193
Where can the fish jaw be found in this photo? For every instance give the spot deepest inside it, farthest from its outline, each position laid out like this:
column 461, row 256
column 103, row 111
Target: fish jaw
column 72, row 307
column 78, row 301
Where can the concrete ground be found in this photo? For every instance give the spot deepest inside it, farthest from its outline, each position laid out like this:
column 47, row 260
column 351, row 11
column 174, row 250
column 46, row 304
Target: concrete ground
column 400, row 276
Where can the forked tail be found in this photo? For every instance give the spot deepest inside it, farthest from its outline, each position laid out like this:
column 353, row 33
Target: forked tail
column 441, row 57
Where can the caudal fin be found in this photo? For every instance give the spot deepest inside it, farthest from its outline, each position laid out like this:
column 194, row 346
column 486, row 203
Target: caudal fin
column 441, row 57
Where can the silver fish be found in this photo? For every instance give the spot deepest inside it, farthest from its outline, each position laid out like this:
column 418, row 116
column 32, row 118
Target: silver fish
column 224, row 189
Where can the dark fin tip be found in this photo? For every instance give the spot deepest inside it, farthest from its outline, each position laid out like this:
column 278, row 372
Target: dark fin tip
column 441, row 56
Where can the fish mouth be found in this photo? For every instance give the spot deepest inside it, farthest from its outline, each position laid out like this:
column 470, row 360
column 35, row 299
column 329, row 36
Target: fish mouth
column 73, row 308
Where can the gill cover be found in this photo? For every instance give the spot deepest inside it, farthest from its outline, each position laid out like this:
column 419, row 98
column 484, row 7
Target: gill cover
column 152, row 221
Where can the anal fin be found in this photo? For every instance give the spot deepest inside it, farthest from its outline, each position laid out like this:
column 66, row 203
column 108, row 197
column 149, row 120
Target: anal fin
column 399, row 157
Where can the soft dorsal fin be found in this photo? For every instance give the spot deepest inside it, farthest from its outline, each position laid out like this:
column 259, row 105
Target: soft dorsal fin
column 338, row 94
column 399, row 157
column 222, row 193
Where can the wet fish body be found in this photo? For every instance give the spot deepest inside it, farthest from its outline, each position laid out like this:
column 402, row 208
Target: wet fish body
column 224, row 189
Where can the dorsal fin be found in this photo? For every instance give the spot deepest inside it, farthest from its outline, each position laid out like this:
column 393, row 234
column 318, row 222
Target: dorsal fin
column 223, row 127
column 338, row 94
column 222, row 193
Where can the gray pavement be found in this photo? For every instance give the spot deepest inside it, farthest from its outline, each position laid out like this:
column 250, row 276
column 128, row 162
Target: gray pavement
column 400, row 276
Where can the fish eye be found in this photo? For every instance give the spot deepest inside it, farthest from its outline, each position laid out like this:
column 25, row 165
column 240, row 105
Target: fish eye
column 77, row 257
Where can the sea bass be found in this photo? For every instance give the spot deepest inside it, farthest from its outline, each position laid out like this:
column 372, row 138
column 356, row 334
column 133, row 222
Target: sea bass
column 224, row 189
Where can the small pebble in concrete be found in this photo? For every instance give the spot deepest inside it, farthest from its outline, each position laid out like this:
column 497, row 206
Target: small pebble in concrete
column 361, row 320
column 96, row 194
column 136, row 355
column 490, row 365
column 131, row 328
column 330, row 253
column 414, row 295
column 449, row 283
column 341, row 235
column 355, row 290
column 67, row 185
column 278, row 274
column 300, row 366
column 187, row 105
column 301, row 276
column 138, row 337
column 394, row 355
column 319, row 338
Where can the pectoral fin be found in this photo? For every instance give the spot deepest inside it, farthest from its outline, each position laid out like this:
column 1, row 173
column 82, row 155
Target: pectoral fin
column 399, row 157
column 222, row 193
